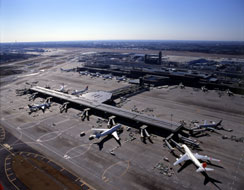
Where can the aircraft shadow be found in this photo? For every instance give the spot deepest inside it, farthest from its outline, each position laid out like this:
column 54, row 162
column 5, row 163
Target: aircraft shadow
column 215, row 165
column 207, row 178
column 228, row 130
column 201, row 135
column 211, row 180
column 175, row 155
column 216, row 132
column 187, row 163
column 196, row 148
column 101, row 143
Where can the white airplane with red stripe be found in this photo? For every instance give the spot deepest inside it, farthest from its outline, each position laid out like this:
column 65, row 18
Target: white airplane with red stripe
column 202, row 167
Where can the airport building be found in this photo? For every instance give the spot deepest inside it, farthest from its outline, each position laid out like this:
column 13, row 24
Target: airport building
column 153, row 59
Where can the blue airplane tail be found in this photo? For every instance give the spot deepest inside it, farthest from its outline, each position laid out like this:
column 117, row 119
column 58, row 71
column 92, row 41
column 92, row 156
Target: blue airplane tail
column 219, row 123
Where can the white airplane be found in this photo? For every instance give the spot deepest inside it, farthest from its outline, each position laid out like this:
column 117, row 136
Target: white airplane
column 123, row 78
column 229, row 92
column 84, row 72
column 62, row 89
column 202, row 167
column 67, row 70
column 79, row 92
column 208, row 126
column 93, row 75
column 181, row 85
column 204, row 89
column 104, row 132
column 108, row 76
column 97, row 74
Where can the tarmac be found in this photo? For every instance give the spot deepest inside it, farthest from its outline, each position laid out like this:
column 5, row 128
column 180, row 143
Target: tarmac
column 102, row 163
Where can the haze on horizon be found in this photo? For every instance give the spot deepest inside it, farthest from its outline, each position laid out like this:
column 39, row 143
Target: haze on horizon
column 62, row 20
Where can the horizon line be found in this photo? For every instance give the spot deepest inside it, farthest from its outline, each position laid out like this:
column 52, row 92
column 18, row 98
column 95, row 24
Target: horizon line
column 121, row 40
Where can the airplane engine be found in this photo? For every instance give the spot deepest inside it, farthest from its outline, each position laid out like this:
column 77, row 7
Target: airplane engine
column 91, row 137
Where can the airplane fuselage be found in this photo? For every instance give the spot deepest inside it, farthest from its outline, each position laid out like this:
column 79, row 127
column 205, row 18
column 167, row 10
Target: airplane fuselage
column 40, row 106
column 109, row 131
column 80, row 92
column 207, row 126
column 192, row 157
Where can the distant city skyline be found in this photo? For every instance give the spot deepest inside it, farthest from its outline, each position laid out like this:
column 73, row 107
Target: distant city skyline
column 78, row 20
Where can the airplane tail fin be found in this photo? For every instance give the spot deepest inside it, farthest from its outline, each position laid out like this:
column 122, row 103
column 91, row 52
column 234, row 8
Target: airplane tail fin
column 48, row 101
column 86, row 88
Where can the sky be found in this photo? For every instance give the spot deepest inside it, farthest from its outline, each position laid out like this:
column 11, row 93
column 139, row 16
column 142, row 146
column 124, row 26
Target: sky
column 70, row 20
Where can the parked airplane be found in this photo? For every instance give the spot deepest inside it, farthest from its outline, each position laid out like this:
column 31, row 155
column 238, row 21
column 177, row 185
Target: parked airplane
column 202, row 167
column 109, row 76
column 79, row 92
column 181, row 85
column 62, row 89
column 204, row 89
column 98, row 74
column 84, row 72
column 105, row 132
column 43, row 107
column 95, row 74
column 67, row 70
column 123, row 78
column 207, row 126
column 229, row 92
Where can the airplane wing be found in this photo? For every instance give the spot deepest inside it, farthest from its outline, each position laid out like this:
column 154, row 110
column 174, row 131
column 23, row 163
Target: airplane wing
column 181, row 159
column 99, row 129
column 43, row 107
column 201, row 157
column 115, row 135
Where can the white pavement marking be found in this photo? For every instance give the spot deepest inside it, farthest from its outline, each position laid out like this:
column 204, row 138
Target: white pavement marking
column 20, row 136
column 58, row 133
column 59, row 155
column 66, row 155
